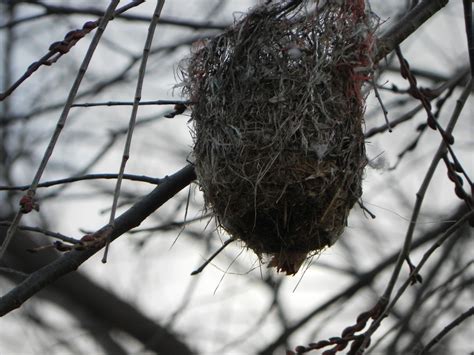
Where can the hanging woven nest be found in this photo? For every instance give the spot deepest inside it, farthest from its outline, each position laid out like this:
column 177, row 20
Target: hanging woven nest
column 278, row 113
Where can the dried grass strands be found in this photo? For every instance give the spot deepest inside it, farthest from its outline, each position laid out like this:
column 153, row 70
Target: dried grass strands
column 279, row 148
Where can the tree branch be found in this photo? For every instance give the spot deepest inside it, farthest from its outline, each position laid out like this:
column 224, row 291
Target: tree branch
column 72, row 260
column 51, row 9
column 366, row 278
column 447, row 329
column 131, row 177
column 406, row 26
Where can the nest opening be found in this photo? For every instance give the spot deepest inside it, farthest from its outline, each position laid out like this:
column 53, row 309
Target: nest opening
column 278, row 114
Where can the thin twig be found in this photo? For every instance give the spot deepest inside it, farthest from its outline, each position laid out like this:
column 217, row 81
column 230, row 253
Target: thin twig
column 414, row 272
column 217, row 252
column 403, row 118
column 365, row 279
column 100, row 86
column 128, row 103
column 457, row 79
column 44, row 232
column 58, row 49
column 133, row 116
column 461, row 318
column 51, row 9
column 141, row 178
column 83, row 171
column 62, row 121
column 10, row 271
column 170, row 225
column 416, row 210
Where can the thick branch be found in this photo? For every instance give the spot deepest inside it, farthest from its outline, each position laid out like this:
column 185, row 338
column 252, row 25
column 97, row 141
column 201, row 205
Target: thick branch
column 71, row 261
column 406, row 26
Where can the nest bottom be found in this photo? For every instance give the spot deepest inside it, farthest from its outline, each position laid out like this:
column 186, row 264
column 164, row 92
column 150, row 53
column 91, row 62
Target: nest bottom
column 300, row 206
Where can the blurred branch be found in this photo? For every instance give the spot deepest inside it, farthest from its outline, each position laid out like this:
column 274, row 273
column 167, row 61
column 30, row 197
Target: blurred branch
column 455, row 80
column 366, row 278
column 447, row 329
column 361, row 341
column 420, row 300
column 72, row 260
column 100, row 86
column 58, row 49
column 13, row 272
column 403, row 118
column 217, row 252
column 43, row 231
column 171, row 225
column 405, row 251
column 51, row 9
column 99, row 311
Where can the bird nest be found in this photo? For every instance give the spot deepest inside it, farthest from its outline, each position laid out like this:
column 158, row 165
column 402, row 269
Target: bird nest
column 278, row 113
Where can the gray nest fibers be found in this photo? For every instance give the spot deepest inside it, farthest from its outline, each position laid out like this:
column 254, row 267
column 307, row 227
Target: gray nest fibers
column 278, row 113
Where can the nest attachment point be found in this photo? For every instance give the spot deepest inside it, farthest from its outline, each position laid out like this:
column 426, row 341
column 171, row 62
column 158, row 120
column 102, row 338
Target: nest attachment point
column 278, row 114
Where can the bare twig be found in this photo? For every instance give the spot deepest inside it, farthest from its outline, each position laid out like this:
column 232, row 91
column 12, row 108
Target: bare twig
column 46, row 232
column 365, row 279
column 416, row 210
column 217, row 252
column 58, row 49
column 13, row 272
column 61, row 122
column 141, row 103
column 170, row 225
column 359, row 342
column 407, row 283
column 141, row 178
column 100, row 86
column 133, row 116
column 51, row 9
column 450, row 83
column 447, row 329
